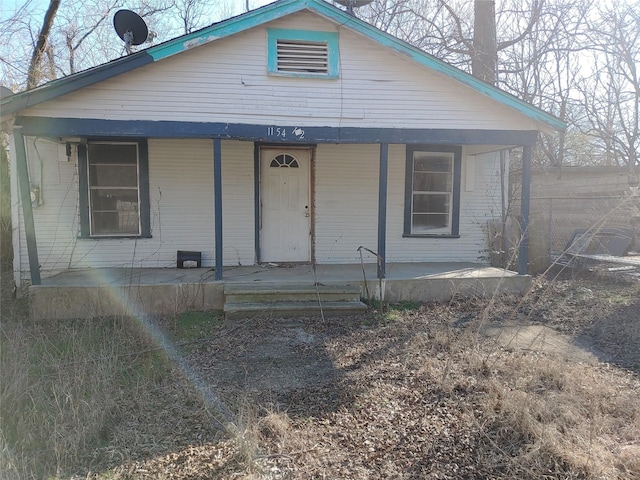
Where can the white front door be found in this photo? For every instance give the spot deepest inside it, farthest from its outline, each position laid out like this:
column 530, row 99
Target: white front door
column 285, row 208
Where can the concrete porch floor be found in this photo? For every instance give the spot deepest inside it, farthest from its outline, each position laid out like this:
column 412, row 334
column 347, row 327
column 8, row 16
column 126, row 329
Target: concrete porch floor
column 165, row 291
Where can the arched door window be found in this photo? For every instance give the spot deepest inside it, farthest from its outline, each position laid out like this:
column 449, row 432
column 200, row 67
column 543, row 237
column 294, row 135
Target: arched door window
column 284, row 160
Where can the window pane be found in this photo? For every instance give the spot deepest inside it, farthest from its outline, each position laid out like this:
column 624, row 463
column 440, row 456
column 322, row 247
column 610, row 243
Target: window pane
column 106, row 223
column 284, row 160
column 432, row 192
column 432, row 162
column 422, row 223
column 431, row 182
column 114, row 175
column 430, row 203
column 113, row 189
column 114, row 199
column 113, row 152
column 115, row 211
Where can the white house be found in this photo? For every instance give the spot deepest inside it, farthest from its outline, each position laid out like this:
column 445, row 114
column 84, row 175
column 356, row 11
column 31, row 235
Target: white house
column 292, row 133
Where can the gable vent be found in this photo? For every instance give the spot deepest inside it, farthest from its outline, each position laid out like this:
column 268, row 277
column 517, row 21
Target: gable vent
column 295, row 56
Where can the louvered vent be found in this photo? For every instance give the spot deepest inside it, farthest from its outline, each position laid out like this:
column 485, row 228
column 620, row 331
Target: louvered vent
column 295, row 56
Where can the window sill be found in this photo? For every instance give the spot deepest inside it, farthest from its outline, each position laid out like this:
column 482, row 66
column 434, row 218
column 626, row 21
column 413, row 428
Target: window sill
column 427, row 235
column 321, row 76
column 114, row 237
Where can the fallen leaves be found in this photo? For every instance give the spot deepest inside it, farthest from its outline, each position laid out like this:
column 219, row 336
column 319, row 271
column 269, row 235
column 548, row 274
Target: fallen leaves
column 422, row 397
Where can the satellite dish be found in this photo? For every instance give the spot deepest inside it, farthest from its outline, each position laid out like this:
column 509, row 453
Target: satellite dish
column 351, row 4
column 130, row 27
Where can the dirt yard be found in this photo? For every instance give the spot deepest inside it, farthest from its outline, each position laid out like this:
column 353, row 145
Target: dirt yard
column 541, row 387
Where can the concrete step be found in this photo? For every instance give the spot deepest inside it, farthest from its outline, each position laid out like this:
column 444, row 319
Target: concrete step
column 234, row 311
column 271, row 293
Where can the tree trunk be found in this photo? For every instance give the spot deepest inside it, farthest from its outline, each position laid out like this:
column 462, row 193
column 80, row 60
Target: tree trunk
column 484, row 58
column 35, row 71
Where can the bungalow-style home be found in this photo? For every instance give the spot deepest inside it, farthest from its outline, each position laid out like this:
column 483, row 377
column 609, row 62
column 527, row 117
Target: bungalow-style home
column 292, row 134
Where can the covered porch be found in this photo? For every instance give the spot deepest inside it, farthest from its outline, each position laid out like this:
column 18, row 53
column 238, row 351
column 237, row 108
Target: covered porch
column 378, row 143
column 169, row 291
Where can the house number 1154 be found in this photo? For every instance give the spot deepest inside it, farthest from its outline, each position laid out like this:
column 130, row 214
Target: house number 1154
column 281, row 132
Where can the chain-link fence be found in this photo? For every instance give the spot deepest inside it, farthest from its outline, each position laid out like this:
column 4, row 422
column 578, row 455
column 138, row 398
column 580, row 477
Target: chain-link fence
column 554, row 223
column 561, row 219
column 557, row 223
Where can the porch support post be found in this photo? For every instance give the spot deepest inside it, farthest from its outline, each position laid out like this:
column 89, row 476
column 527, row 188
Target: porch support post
column 256, row 200
column 382, row 209
column 27, row 208
column 523, row 253
column 217, row 209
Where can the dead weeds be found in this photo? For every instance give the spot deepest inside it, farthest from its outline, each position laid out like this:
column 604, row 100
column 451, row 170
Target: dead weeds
column 420, row 394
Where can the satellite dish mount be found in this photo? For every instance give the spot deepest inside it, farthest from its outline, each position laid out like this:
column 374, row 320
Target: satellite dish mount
column 351, row 4
column 131, row 28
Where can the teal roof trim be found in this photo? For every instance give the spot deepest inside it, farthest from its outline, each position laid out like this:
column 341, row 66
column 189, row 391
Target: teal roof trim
column 227, row 28
column 258, row 17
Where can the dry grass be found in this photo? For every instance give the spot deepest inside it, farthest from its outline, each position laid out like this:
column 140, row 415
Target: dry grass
column 417, row 394
column 62, row 386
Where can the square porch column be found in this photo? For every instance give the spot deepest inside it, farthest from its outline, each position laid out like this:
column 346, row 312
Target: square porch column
column 27, row 209
column 217, row 208
column 382, row 209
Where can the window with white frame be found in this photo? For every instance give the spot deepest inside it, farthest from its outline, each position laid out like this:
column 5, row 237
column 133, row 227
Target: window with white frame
column 432, row 191
column 113, row 202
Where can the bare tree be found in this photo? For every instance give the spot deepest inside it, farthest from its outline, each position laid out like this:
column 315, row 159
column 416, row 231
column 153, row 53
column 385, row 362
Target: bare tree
column 191, row 13
column 443, row 28
column 39, row 50
column 80, row 22
column 78, row 35
column 457, row 31
column 611, row 94
column 545, row 69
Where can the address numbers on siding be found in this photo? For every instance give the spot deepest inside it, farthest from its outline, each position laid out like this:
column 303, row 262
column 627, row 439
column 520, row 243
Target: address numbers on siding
column 295, row 133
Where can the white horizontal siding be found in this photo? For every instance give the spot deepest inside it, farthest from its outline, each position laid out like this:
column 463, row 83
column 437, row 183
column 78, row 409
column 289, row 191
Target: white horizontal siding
column 56, row 218
column 482, row 205
column 181, row 203
column 238, row 211
column 226, row 81
column 181, row 200
column 477, row 207
column 346, row 201
column 347, row 208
